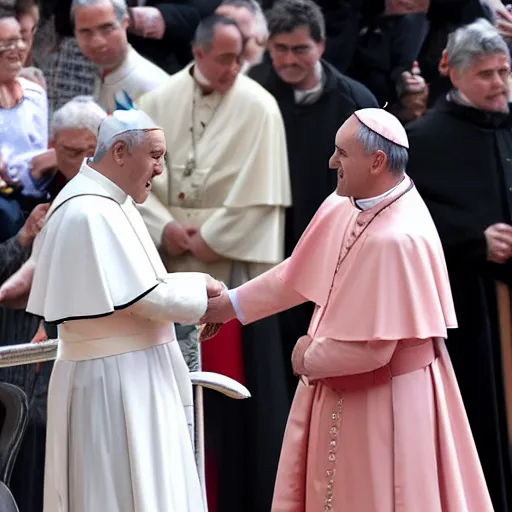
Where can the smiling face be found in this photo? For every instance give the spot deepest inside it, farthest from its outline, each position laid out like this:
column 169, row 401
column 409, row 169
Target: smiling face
column 358, row 173
column 221, row 63
column 138, row 166
column 294, row 56
column 100, row 35
column 12, row 49
column 485, row 82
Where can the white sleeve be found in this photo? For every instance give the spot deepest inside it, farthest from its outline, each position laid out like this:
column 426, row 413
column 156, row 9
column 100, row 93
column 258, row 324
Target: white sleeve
column 182, row 298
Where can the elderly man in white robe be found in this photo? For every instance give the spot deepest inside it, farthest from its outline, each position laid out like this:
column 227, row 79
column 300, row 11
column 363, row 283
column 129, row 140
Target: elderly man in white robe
column 120, row 400
column 219, row 208
column 101, row 33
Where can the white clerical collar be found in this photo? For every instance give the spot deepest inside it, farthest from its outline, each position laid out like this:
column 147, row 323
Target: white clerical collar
column 311, row 95
column 370, row 202
column 128, row 65
column 117, row 193
column 199, row 77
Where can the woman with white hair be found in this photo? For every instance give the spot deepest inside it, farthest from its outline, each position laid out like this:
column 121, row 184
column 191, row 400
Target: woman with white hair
column 461, row 162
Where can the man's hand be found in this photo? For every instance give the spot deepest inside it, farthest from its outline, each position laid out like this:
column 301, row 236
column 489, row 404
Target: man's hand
column 176, row 238
column 213, row 287
column 15, row 291
column 219, row 310
column 33, row 225
column 201, row 250
column 499, row 242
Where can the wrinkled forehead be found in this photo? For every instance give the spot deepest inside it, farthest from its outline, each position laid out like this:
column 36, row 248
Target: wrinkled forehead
column 347, row 130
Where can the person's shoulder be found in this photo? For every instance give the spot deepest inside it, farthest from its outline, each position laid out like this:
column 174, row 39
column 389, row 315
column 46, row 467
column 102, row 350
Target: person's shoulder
column 255, row 96
column 86, row 210
column 167, row 90
column 33, row 91
column 357, row 92
column 407, row 227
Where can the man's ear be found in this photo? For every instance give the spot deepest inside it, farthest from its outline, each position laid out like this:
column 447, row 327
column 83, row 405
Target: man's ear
column 119, row 151
column 379, row 162
column 197, row 52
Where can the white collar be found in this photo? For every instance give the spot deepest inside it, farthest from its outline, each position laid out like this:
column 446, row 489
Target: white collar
column 129, row 64
column 113, row 190
column 370, row 202
column 313, row 93
column 199, row 77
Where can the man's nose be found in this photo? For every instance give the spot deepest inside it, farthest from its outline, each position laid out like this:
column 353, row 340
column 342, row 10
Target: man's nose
column 333, row 162
column 289, row 58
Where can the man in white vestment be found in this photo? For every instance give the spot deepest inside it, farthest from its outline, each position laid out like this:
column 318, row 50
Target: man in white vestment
column 120, row 408
column 101, row 33
column 219, row 208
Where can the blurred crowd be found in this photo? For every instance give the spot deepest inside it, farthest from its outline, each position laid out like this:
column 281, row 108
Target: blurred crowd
column 264, row 121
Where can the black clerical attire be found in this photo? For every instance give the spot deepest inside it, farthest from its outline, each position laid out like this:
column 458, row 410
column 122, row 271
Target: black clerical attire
column 310, row 132
column 461, row 163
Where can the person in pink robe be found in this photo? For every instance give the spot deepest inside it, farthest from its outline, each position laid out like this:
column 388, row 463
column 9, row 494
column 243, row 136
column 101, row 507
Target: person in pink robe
column 377, row 423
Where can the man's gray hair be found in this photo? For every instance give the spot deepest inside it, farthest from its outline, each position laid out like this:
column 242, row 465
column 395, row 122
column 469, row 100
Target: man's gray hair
column 473, row 41
column 81, row 113
column 373, row 142
column 254, row 7
column 132, row 139
column 120, row 7
column 205, row 31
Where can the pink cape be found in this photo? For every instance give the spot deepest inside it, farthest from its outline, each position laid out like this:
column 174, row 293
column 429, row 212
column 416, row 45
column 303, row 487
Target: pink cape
column 379, row 280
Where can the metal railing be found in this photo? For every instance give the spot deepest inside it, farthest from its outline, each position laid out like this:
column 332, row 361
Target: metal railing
column 29, row 353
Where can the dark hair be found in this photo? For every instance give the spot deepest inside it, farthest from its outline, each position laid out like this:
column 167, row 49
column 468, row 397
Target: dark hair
column 288, row 15
column 205, row 31
column 25, row 6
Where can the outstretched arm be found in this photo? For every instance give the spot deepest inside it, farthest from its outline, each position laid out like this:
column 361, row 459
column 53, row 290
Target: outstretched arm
column 263, row 296
column 182, row 298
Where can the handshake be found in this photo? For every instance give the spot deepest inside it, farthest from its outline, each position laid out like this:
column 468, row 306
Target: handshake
column 219, row 310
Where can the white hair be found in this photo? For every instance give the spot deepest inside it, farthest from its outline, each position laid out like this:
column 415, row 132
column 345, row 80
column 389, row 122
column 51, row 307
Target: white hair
column 132, row 139
column 373, row 142
column 473, row 41
column 120, row 7
column 80, row 113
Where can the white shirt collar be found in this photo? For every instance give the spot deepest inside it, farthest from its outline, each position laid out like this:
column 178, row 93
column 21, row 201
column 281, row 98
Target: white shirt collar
column 370, row 202
column 114, row 191
column 314, row 93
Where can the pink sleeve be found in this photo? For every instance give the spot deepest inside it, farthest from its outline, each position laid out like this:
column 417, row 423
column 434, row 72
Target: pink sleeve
column 266, row 295
column 326, row 357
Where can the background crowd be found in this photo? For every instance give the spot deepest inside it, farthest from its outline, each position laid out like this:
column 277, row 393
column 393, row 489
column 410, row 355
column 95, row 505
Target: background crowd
column 65, row 65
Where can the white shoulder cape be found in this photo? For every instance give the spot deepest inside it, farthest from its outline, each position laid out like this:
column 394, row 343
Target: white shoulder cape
column 92, row 256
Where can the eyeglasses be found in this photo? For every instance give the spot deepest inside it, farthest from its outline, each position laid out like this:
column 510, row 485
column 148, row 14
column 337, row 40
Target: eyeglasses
column 13, row 44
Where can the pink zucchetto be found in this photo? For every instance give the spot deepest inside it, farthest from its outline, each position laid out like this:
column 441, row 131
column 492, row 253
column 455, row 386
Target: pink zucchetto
column 385, row 124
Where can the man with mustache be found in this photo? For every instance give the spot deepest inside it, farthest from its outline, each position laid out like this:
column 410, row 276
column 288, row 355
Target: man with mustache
column 314, row 99
column 461, row 162
column 219, row 208
column 120, row 409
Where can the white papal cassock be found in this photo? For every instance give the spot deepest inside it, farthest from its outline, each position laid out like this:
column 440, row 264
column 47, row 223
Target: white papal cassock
column 120, row 400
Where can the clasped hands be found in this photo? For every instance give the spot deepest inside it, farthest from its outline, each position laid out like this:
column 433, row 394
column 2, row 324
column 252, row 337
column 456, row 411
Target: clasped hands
column 219, row 309
column 178, row 239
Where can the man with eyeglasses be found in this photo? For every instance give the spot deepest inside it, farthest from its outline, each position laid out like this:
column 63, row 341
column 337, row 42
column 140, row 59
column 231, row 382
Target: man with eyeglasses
column 101, row 32
column 315, row 100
